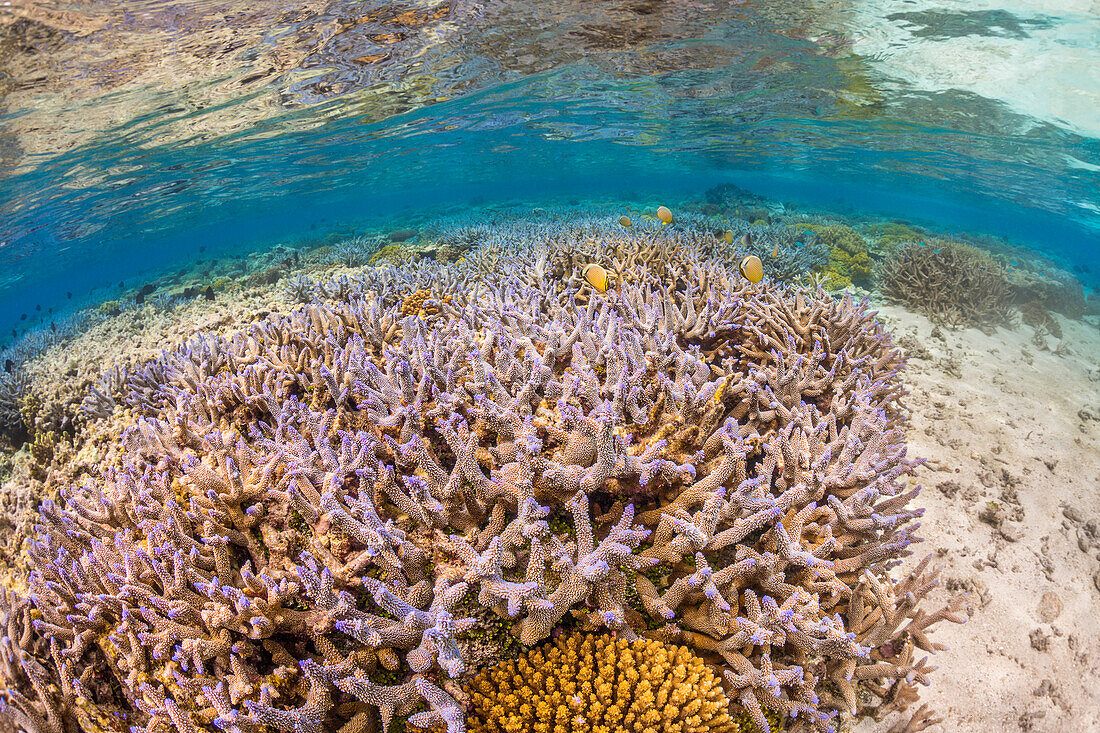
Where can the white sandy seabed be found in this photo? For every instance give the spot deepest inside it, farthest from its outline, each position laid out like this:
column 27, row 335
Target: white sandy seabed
column 1011, row 432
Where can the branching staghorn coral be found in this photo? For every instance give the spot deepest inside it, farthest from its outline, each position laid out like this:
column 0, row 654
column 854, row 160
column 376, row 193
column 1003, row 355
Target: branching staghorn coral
column 355, row 252
column 28, row 699
column 299, row 288
column 788, row 252
column 950, row 282
column 13, row 389
column 295, row 516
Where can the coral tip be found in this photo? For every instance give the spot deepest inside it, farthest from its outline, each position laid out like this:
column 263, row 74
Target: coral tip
column 664, row 214
column 597, row 277
column 752, row 269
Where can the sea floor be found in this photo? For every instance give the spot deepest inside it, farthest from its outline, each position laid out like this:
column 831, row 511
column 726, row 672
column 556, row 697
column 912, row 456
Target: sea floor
column 1008, row 421
column 1011, row 434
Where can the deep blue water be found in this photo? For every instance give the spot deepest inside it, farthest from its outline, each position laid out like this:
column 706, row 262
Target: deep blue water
column 116, row 174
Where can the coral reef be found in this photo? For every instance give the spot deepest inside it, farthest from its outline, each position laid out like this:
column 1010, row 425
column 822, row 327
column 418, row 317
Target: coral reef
column 1050, row 289
column 28, row 700
column 885, row 236
column 109, row 308
column 299, row 288
column 1038, row 317
column 593, row 683
column 334, row 514
column 455, row 243
column 13, row 387
column 355, row 252
column 952, row 283
column 391, row 253
column 788, row 252
column 27, row 407
column 849, row 255
column 727, row 199
column 19, row 496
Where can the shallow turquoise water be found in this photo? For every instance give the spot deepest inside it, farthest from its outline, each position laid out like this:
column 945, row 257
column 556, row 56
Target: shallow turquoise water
column 133, row 134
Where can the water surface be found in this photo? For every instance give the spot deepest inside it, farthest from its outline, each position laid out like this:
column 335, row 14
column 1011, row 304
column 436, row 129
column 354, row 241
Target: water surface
column 133, row 133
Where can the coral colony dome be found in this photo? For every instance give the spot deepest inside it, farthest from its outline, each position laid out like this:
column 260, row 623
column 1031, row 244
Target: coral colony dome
column 661, row 366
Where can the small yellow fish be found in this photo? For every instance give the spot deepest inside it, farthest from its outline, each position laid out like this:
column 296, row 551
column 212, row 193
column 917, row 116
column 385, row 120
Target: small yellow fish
column 729, row 236
column 775, row 251
column 664, row 214
column 746, row 240
column 752, row 269
column 597, row 277
column 625, row 221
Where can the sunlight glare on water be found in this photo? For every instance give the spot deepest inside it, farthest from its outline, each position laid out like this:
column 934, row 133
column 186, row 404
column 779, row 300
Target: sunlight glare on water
column 1040, row 58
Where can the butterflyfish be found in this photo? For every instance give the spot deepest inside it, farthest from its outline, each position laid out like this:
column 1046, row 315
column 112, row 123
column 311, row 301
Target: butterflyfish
column 752, row 269
column 625, row 221
column 664, row 214
column 597, row 277
column 729, row 236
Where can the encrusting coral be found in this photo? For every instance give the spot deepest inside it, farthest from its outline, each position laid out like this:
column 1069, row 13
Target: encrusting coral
column 390, row 253
column 292, row 523
column 849, row 255
column 595, row 683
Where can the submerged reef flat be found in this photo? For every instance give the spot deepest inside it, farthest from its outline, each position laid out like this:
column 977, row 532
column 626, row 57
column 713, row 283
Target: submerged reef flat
column 368, row 477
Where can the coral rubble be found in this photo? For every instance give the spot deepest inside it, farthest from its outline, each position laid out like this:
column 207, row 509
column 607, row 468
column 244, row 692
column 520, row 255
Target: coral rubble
column 328, row 516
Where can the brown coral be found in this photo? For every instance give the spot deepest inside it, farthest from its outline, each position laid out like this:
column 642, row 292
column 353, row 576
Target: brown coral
column 1034, row 314
column 950, row 282
column 1051, row 289
column 421, row 303
column 586, row 682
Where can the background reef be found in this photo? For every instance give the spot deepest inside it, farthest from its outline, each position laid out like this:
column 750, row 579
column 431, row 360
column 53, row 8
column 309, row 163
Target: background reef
column 382, row 477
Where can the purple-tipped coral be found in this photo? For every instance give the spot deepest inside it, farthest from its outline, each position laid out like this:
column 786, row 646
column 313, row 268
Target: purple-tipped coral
column 309, row 523
column 13, row 388
column 28, row 698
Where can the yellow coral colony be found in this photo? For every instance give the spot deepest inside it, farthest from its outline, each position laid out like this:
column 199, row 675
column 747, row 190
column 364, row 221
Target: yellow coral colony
column 589, row 682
